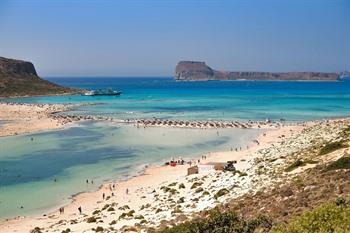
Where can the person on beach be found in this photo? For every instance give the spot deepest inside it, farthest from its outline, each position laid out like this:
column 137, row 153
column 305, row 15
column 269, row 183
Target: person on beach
column 127, row 191
column 103, row 196
column 79, row 209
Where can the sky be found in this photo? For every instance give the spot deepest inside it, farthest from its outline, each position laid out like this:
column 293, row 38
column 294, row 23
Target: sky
column 148, row 37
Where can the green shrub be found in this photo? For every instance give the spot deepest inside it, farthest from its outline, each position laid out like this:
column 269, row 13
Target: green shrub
column 196, row 185
column 326, row 218
column 346, row 131
column 143, row 221
column 173, row 191
column 221, row 192
column 177, row 210
column 113, row 222
column 105, row 207
column 36, row 230
column 342, row 163
column 111, row 209
column 139, row 217
column 170, row 190
column 96, row 212
column 91, row 219
column 205, row 193
column 295, row 165
column 130, row 213
column 158, row 210
column 125, row 207
column 218, row 222
column 181, row 186
column 198, row 190
column 240, row 173
column 330, row 147
column 340, row 201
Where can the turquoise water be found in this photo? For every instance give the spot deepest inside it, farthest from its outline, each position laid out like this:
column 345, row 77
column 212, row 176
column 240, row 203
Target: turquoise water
column 165, row 98
column 105, row 151
column 93, row 151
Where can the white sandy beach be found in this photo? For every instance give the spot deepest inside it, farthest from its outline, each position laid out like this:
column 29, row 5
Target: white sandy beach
column 28, row 118
column 167, row 193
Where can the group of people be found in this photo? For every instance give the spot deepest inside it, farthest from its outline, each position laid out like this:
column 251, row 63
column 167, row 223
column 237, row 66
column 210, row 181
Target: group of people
column 111, row 187
column 92, row 182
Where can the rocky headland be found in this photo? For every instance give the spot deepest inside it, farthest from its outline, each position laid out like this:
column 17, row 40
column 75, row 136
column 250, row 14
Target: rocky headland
column 200, row 71
column 19, row 78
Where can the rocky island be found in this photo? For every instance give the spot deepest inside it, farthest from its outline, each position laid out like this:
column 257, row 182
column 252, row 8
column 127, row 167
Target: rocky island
column 19, row 78
column 200, row 71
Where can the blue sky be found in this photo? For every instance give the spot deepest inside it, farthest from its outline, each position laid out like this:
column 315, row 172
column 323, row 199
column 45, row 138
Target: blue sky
column 148, row 37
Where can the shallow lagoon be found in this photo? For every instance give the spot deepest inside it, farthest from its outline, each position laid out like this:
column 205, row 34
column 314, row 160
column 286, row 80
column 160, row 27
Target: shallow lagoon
column 93, row 151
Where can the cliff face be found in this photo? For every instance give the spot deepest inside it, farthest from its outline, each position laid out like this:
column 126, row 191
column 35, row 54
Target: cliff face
column 199, row 71
column 19, row 78
column 188, row 70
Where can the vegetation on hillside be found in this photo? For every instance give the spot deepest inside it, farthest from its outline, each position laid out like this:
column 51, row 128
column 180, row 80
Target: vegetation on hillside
column 21, row 85
column 218, row 221
column 330, row 147
column 342, row 163
column 333, row 217
column 293, row 207
column 19, row 78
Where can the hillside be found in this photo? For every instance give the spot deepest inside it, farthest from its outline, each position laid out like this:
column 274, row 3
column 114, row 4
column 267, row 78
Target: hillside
column 315, row 200
column 19, row 78
column 199, row 71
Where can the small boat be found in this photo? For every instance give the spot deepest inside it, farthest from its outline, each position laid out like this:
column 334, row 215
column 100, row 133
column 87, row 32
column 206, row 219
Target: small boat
column 108, row 92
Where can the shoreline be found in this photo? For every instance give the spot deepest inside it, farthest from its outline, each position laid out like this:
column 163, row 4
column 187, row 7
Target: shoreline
column 25, row 118
column 153, row 185
column 158, row 173
column 77, row 92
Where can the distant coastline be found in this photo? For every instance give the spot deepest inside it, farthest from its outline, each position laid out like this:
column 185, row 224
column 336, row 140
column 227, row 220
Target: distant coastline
column 200, row 71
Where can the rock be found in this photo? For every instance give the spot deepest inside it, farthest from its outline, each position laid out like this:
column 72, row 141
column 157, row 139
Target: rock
column 193, row 70
column 19, row 78
column 199, row 71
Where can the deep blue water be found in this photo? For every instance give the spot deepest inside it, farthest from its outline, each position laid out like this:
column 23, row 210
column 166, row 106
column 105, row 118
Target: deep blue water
column 166, row 98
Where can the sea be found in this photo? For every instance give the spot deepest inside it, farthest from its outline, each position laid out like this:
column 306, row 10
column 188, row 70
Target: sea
column 40, row 172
